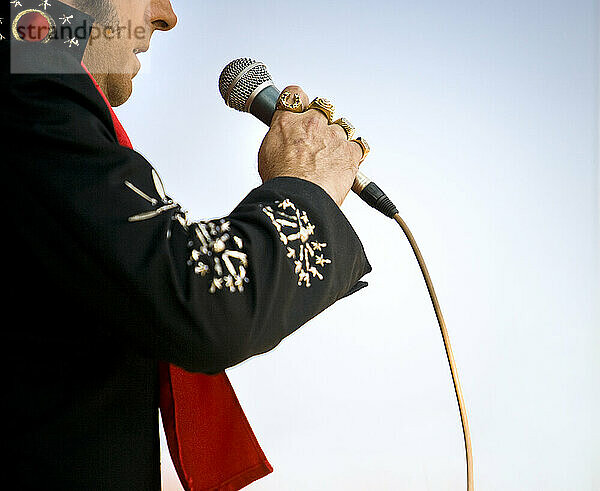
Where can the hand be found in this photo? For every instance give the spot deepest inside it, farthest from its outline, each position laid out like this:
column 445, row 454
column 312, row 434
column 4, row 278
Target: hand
column 304, row 145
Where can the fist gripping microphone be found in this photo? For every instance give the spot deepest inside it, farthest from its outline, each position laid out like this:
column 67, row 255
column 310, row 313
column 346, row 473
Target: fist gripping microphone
column 247, row 86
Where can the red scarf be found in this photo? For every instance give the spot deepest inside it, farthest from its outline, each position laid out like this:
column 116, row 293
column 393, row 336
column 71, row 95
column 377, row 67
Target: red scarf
column 210, row 440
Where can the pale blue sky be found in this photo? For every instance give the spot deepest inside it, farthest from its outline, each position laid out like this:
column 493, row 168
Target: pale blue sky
column 483, row 118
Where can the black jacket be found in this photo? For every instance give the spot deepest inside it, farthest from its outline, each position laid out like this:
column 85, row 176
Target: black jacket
column 107, row 277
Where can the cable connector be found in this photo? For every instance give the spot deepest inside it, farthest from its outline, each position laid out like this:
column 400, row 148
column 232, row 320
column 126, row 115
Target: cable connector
column 372, row 194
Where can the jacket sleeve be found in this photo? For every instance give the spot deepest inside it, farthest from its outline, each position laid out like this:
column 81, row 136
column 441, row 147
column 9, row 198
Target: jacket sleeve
column 204, row 295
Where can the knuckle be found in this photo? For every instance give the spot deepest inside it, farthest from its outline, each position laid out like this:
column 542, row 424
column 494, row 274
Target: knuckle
column 338, row 132
column 355, row 151
column 293, row 88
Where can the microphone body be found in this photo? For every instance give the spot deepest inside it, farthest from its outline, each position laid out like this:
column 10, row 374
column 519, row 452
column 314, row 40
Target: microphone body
column 247, row 86
column 264, row 103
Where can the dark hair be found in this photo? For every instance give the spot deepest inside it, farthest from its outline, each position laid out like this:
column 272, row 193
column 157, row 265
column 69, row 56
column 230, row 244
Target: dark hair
column 102, row 10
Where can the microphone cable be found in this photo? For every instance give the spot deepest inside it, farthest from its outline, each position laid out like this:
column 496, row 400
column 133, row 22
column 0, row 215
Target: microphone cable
column 372, row 194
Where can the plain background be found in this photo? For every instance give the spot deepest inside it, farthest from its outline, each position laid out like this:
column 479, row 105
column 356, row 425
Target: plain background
column 483, row 119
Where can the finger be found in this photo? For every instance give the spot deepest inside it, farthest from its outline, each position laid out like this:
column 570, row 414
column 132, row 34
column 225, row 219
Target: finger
column 292, row 99
column 363, row 147
column 357, row 151
column 292, row 96
column 339, row 131
column 295, row 89
column 347, row 127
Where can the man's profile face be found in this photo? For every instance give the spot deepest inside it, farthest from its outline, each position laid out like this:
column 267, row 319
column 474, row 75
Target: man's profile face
column 122, row 29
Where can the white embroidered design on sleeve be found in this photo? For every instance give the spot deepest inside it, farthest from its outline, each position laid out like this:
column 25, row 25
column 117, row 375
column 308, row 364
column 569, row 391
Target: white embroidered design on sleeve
column 295, row 231
column 215, row 252
column 219, row 252
column 165, row 202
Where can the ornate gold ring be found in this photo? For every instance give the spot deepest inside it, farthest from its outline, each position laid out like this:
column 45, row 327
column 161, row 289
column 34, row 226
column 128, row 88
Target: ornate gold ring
column 347, row 126
column 323, row 105
column 284, row 104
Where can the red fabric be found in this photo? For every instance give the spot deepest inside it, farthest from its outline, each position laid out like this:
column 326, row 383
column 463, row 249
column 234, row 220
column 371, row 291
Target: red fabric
column 210, row 440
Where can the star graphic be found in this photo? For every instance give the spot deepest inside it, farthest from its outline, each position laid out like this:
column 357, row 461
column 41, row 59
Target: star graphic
column 72, row 42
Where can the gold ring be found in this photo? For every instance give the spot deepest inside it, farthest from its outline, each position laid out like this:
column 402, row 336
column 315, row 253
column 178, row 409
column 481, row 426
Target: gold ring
column 323, row 105
column 284, row 104
column 364, row 146
column 347, row 126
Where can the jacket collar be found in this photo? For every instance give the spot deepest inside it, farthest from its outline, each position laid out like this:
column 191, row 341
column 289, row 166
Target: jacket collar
column 48, row 23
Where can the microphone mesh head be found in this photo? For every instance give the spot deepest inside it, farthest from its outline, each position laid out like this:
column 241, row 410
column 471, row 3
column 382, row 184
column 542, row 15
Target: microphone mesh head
column 239, row 79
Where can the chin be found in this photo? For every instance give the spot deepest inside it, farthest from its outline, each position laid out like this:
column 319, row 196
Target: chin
column 120, row 88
